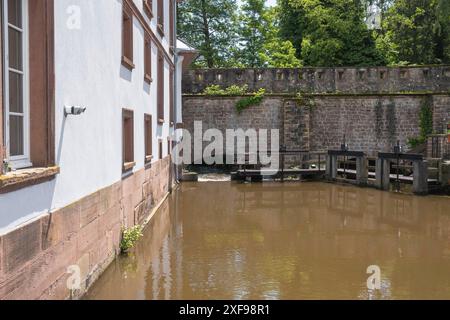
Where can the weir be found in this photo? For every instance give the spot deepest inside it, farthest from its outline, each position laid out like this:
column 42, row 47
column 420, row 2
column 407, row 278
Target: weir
column 391, row 170
column 375, row 109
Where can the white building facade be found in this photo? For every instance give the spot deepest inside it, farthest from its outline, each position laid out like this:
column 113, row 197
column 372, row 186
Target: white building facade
column 70, row 183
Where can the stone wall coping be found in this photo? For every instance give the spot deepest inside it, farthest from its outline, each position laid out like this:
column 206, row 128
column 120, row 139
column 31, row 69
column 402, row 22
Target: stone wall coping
column 433, row 78
column 328, row 68
column 324, row 94
column 26, row 177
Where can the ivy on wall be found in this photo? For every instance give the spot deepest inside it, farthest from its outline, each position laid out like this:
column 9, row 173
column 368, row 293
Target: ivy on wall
column 250, row 99
column 425, row 123
column 253, row 100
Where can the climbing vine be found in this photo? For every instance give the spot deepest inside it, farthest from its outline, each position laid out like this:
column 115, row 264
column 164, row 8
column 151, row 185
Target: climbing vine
column 250, row 99
column 253, row 100
column 425, row 123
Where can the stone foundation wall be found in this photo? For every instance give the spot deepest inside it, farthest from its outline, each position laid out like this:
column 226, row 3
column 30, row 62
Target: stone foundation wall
column 371, row 123
column 34, row 258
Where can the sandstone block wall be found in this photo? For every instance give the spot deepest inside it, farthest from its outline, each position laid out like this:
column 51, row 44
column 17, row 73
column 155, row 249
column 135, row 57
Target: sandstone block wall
column 322, row 80
column 220, row 113
column 314, row 108
column 371, row 123
column 34, row 258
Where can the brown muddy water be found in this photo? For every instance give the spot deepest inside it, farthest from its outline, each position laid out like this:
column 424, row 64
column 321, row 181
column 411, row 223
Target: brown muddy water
column 226, row 240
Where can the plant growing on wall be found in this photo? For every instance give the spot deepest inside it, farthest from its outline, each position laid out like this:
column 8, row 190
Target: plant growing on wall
column 130, row 237
column 214, row 90
column 234, row 90
column 425, row 123
column 253, row 100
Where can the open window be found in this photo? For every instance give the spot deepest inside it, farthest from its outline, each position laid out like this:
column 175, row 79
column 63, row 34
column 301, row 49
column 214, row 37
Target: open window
column 16, row 84
column 148, row 131
column 128, row 139
column 127, row 37
column 27, row 93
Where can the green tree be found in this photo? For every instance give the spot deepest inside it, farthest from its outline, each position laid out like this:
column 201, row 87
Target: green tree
column 253, row 32
column 211, row 27
column 442, row 31
column 277, row 52
column 332, row 32
column 415, row 32
column 292, row 23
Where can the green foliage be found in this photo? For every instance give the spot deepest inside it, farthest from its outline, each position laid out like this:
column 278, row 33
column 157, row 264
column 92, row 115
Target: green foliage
column 408, row 32
column 234, row 90
column 416, row 32
column 253, row 32
column 291, row 19
column 253, row 100
column 426, row 119
column 414, row 142
column 211, row 27
column 316, row 33
column 260, row 43
column 130, row 237
column 425, row 123
column 214, row 90
column 333, row 32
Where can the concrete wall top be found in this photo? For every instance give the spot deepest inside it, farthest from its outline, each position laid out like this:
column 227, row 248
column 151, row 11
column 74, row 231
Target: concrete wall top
column 324, row 80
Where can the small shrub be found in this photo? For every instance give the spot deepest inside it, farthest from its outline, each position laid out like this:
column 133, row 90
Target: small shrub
column 236, row 90
column 414, row 142
column 214, row 90
column 253, row 100
column 130, row 237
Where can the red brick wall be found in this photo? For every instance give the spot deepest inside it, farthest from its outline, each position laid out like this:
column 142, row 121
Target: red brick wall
column 34, row 258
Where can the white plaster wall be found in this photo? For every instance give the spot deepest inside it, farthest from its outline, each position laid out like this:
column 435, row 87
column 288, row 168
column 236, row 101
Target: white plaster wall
column 89, row 73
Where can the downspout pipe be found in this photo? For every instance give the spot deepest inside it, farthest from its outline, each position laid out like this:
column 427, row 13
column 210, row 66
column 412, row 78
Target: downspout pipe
column 175, row 80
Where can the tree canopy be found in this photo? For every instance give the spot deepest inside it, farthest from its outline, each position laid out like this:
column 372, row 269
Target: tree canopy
column 247, row 33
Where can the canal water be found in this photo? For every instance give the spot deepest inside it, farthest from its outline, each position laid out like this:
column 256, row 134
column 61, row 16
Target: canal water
column 228, row 240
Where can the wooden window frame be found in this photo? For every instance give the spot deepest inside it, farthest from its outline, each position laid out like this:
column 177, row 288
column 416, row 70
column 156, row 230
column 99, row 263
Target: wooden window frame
column 148, row 59
column 148, row 140
column 148, row 8
column 172, row 27
column 128, row 162
column 160, row 149
column 161, row 88
column 41, row 62
column 160, row 18
column 23, row 160
column 127, row 37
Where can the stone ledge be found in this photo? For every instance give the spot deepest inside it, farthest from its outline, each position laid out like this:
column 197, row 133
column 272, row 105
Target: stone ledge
column 27, row 177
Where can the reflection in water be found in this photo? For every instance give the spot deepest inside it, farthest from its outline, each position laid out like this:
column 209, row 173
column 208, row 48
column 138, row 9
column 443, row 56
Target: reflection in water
column 225, row 240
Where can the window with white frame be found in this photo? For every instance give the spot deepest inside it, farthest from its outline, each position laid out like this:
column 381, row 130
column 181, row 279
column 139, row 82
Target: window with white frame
column 16, row 82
